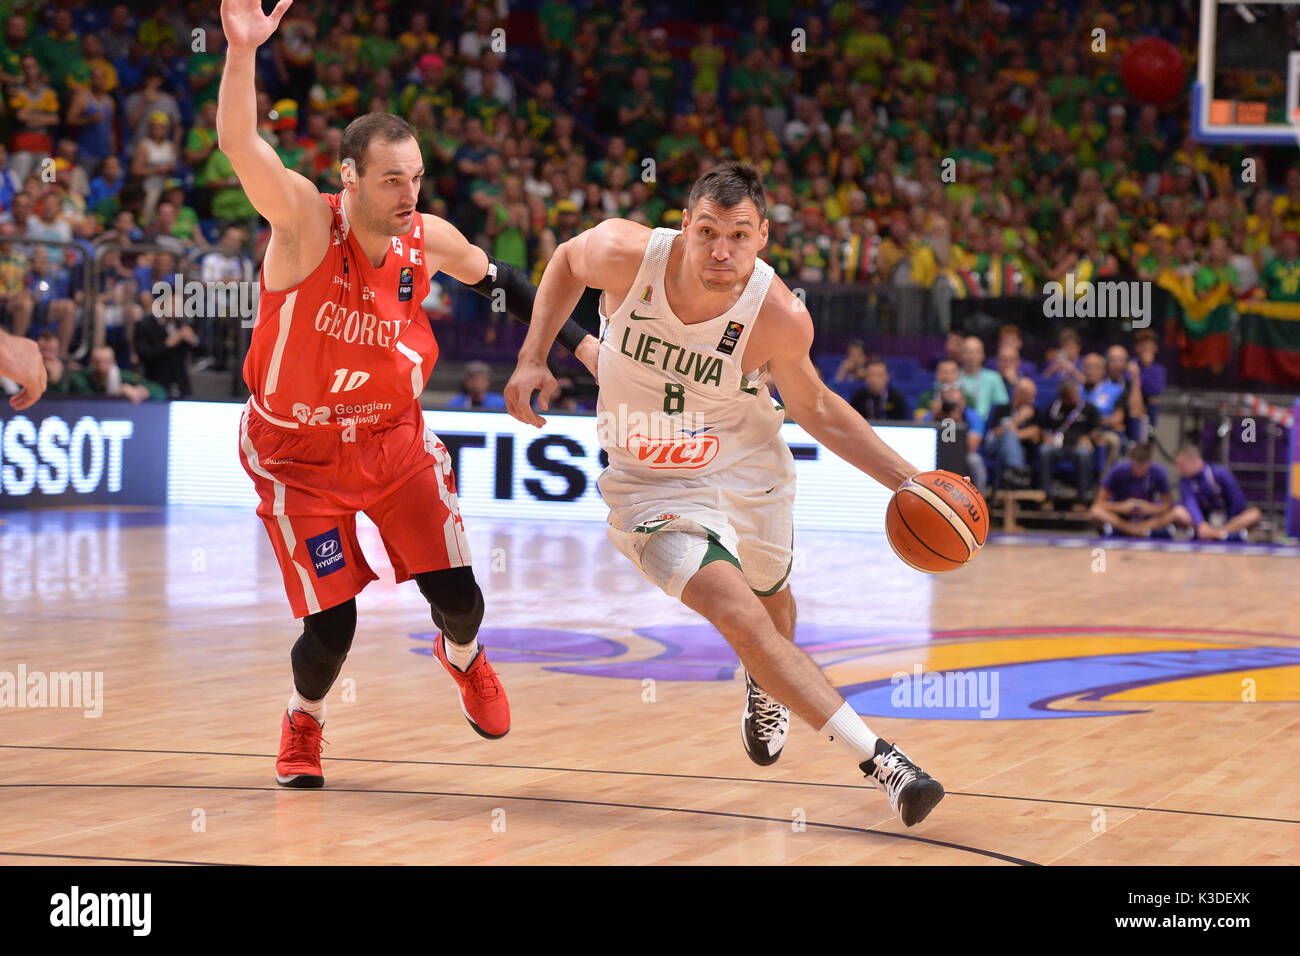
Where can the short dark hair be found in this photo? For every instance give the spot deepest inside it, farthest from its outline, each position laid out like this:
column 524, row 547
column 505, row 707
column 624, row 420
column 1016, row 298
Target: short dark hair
column 877, row 360
column 1189, row 448
column 370, row 128
column 728, row 184
column 1140, row 452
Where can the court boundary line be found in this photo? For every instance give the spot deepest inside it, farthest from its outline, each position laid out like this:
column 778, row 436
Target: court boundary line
column 653, row 773
column 992, row 854
column 113, row 859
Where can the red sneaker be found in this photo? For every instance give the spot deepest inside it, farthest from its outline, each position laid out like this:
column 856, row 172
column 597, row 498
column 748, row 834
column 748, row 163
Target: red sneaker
column 482, row 698
column 299, row 762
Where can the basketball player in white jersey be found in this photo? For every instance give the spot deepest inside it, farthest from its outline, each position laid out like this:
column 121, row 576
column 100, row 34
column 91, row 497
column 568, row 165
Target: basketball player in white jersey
column 700, row 485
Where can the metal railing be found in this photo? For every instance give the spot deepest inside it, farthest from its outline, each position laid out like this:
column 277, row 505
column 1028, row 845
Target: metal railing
column 220, row 331
column 85, row 269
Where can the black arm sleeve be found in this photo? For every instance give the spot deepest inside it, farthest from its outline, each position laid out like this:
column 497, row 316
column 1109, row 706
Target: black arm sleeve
column 519, row 296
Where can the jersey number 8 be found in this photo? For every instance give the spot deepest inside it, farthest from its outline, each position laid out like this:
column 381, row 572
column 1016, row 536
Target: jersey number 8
column 674, row 398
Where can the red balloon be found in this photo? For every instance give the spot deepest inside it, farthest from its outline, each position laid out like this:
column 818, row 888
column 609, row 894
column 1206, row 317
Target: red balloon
column 1153, row 71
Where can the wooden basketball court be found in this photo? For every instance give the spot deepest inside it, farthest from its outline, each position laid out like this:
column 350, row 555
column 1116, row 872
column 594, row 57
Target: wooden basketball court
column 625, row 745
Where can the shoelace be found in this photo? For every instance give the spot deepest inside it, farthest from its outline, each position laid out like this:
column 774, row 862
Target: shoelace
column 770, row 716
column 305, row 741
column 894, row 771
column 485, row 684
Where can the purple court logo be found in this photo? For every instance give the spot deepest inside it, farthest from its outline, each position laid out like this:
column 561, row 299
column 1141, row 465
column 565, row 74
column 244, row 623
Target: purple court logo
column 1011, row 673
column 326, row 552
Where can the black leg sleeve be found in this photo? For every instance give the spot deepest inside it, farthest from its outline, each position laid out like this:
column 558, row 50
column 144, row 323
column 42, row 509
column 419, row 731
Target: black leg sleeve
column 319, row 653
column 455, row 602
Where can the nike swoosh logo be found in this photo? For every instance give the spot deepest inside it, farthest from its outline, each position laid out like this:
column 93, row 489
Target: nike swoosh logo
column 643, row 318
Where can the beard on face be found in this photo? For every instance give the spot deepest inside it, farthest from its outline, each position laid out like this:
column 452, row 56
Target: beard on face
column 383, row 222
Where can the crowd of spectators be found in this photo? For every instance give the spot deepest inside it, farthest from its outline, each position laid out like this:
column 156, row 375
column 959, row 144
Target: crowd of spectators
column 1079, row 428
column 983, row 154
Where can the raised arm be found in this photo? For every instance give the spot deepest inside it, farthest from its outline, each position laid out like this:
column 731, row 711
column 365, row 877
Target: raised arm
column 280, row 196
column 504, row 285
column 787, row 341
column 606, row 256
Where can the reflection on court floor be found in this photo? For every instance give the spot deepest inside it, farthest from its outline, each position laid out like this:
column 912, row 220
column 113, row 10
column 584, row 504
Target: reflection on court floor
column 625, row 745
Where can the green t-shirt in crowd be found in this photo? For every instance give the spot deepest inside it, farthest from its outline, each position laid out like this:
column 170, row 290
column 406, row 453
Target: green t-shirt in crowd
column 1281, row 280
column 229, row 202
column 205, row 67
column 509, row 245
column 560, row 21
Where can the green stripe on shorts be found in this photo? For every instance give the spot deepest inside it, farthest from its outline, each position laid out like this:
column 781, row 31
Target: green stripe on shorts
column 785, row 577
column 716, row 552
column 779, row 584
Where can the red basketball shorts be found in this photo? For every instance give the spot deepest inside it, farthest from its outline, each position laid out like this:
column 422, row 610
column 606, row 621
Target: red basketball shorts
column 311, row 484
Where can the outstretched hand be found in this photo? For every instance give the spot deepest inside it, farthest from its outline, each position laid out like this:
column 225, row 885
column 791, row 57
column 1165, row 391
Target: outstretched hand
column 245, row 25
column 20, row 360
column 530, row 376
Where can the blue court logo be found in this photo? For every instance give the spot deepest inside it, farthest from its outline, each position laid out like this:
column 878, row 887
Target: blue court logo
column 326, row 552
column 1015, row 673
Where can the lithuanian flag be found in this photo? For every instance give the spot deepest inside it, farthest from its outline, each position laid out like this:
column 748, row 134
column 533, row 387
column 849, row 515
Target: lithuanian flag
column 1270, row 341
column 1204, row 304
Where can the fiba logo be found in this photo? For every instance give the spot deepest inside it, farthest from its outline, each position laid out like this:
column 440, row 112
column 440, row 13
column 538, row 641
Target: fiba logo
column 327, row 549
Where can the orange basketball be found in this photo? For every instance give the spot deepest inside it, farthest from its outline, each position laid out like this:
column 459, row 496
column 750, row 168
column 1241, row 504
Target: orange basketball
column 937, row 521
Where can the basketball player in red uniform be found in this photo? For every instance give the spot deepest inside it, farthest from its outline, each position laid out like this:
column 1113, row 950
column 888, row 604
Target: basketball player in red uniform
column 340, row 353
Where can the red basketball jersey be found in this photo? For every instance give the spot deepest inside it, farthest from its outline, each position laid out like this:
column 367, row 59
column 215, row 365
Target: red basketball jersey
column 349, row 344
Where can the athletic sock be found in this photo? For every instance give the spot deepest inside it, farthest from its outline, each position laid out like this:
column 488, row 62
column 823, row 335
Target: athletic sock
column 848, row 729
column 460, row 655
column 316, row 708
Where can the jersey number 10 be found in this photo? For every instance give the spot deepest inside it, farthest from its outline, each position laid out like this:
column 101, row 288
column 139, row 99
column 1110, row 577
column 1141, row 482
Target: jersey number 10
column 356, row 380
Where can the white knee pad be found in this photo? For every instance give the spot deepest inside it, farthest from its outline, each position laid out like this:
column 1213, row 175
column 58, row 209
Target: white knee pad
column 670, row 558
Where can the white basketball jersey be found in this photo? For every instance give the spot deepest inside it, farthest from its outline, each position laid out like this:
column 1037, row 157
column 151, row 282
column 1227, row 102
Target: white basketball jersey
column 674, row 401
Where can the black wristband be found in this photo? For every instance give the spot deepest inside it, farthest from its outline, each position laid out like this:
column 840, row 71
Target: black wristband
column 571, row 335
column 520, row 293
